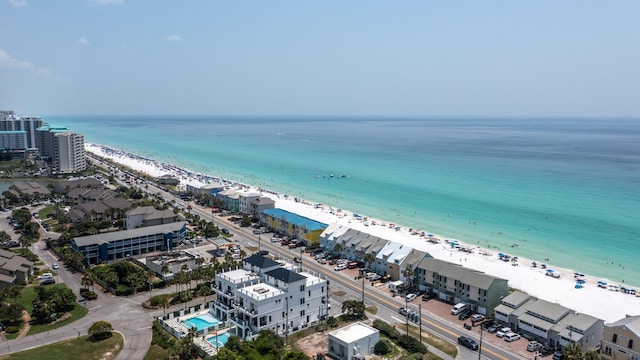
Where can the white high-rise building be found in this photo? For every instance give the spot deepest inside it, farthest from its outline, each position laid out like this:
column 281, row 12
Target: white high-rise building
column 68, row 152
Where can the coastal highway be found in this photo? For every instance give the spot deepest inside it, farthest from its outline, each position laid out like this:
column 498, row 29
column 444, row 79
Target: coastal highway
column 387, row 306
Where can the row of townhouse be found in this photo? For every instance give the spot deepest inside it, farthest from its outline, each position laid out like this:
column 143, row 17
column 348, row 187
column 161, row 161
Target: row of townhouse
column 250, row 203
column 264, row 295
column 14, row 269
column 293, row 225
column 447, row 281
column 549, row 323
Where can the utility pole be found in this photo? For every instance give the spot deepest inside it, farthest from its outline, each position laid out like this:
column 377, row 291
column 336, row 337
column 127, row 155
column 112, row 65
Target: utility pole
column 362, row 289
column 480, row 346
column 420, row 320
column 406, row 315
column 259, row 243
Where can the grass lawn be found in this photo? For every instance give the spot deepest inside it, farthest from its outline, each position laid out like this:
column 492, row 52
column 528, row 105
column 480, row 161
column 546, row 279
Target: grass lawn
column 441, row 344
column 156, row 353
column 28, row 294
column 79, row 349
column 45, row 212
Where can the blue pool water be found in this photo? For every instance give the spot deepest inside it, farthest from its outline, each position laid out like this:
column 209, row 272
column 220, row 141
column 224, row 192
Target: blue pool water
column 221, row 339
column 201, row 322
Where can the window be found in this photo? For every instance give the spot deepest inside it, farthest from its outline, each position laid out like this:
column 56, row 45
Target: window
column 630, row 344
column 301, row 288
column 615, row 338
column 607, row 350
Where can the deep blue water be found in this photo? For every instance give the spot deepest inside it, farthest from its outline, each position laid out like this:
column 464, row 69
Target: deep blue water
column 566, row 189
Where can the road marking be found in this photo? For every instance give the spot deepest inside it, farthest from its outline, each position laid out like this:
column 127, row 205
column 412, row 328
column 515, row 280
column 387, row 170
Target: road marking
column 144, row 328
column 396, row 319
column 93, row 308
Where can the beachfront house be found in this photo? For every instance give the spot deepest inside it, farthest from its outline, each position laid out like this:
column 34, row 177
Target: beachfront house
column 454, row 284
column 263, row 295
column 381, row 264
column 244, row 201
column 260, row 204
column 118, row 245
column 371, row 244
column 109, row 209
column 198, row 188
column 14, row 269
column 549, row 323
column 621, row 339
column 394, row 261
column 405, row 267
column 329, row 237
column 293, row 225
column 231, row 200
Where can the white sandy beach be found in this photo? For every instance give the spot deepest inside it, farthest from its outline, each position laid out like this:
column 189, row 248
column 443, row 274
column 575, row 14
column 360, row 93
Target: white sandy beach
column 592, row 300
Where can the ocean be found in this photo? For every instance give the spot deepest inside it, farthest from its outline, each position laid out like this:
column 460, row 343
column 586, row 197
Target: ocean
column 565, row 190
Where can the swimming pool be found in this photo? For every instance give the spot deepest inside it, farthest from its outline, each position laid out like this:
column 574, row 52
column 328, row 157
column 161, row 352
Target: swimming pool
column 221, row 339
column 201, row 322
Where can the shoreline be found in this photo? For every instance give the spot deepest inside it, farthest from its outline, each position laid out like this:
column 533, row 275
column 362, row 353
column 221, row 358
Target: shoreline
column 601, row 303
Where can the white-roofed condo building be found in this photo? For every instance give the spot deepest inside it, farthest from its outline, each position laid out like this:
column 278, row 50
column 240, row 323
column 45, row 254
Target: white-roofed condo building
column 264, row 295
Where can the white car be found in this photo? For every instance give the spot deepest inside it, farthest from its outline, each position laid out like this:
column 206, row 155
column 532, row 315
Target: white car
column 502, row 332
column 410, row 297
column 511, row 337
column 56, row 266
column 340, row 267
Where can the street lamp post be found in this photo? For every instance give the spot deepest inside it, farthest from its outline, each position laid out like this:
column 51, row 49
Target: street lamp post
column 480, row 345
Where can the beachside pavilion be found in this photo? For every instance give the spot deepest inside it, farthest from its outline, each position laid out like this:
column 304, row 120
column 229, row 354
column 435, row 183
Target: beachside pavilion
column 549, row 323
column 293, row 225
column 121, row 244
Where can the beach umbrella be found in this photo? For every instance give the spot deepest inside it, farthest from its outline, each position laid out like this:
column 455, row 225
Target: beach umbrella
column 580, row 281
column 500, row 254
column 549, row 270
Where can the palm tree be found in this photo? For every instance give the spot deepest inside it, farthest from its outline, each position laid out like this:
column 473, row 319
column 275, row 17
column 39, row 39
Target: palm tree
column 165, row 270
column 164, row 302
column 369, row 258
column 408, row 273
column 150, row 274
column 573, row 351
column 111, row 278
column 337, row 248
column 14, row 291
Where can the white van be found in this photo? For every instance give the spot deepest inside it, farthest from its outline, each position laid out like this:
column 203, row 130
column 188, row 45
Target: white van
column 458, row 308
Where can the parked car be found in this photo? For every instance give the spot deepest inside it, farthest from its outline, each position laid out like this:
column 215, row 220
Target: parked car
column 427, row 296
column 411, row 297
column 493, row 328
column 558, row 355
column 297, row 260
column 509, row 337
column 340, row 267
column 263, row 253
column 47, row 281
column 322, row 261
column 468, row 342
column 464, row 315
column 534, row 346
column 476, row 318
column 502, row 332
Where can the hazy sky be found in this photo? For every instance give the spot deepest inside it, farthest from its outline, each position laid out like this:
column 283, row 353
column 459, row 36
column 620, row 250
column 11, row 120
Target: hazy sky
column 415, row 58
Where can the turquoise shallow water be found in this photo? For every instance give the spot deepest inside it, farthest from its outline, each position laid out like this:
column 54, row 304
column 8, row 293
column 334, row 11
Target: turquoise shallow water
column 564, row 189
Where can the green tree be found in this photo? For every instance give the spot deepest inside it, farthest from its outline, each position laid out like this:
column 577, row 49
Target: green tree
column 369, row 258
column 185, row 347
column 295, row 355
column 573, row 351
column 382, row 347
column 353, row 309
column 100, row 330
column 225, row 354
column 337, row 248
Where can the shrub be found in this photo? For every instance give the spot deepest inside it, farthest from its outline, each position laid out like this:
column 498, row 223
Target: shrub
column 90, row 295
column 382, row 347
column 156, row 301
column 414, row 356
column 387, row 329
column 100, row 330
column 12, row 329
column 411, row 344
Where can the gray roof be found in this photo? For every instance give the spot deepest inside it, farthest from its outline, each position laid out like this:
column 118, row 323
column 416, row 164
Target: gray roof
column 14, row 262
column 61, row 187
column 516, row 298
column 260, row 261
column 285, row 275
column 127, row 234
column 630, row 322
column 454, row 271
column 414, row 258
column 549, row 310
column 503, row 309
column 542, row 324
